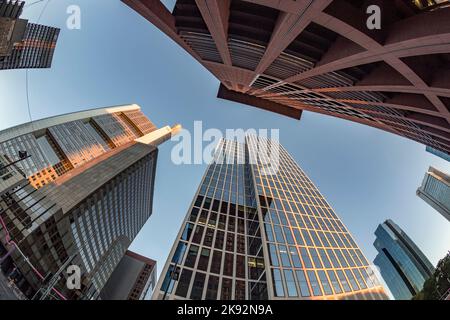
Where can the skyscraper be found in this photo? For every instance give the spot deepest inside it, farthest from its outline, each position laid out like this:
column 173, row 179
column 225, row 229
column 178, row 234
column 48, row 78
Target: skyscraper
column 133, row 279
column 322, row 56
column 88, row 191
column 23, row 44
column 435, row 190
column 438, row 153
column 258, row 228
column 403, row 266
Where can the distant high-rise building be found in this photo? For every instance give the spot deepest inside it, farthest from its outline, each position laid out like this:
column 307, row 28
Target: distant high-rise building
column 403, row 266
column 438, row 153
column 289, row 56
column 23, row 44
column 253, row 234
column 133, row 279
column 87, row 193
column 435, row 190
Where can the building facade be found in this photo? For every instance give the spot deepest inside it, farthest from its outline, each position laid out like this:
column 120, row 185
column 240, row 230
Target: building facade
column 24, row 44
column 88, row 190
column 438, row 153
column 435, row 190
column 289, row 56
column 133, row 279
column 402, row 265
column 256, row 233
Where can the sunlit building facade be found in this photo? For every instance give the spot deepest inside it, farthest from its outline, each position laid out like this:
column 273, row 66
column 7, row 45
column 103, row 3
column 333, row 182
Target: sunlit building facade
column 87, row 191
column 254, row 233
column 402, row 265
column 435, row 190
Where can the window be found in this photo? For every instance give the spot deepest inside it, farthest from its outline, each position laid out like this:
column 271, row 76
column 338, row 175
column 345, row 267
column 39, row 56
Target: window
column 197, row 286
column 269, row 233
column 239, row 293
column 295, row 258
column 288, row 234
column 209, row 236
column 284, row 256
column 191, row 256
column 305, row 257
column 216, row 262
column 228, row 264
column 230, row 242
column 183, row 283
column 273, row 255
column 315, row 257
column 278, row 234
column 303, row 283
column 290, row 283
column 204, row 259
column 179, row 252
column 324, row 258
column 334, row 281
column 220, row 235
column 227, row 285
column 277, row 283
column 351, row 279
column 197, row 238
column 343, row 281
column 240, row 267
column 212, row 288
column 314, row 283
column 325, row 284
column 187, row 232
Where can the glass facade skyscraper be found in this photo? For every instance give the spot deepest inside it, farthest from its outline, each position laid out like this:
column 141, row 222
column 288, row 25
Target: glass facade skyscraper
column 255, row 231
column 403, row 266
column 87, row 191
column 435, row 190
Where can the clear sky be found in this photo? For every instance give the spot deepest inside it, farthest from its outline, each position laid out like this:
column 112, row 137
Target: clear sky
column 117, row 57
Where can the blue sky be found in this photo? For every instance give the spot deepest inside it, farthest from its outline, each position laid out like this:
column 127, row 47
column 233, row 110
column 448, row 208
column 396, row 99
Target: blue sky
column 117, row 57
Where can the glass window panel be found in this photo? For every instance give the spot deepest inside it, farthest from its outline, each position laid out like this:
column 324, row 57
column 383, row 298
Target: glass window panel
column 351, row 279
column 197, row 286
column 305, row 257
column 325, row 284
column 204, row 259
column 216, row 262
column 187, row 232
column 303, row 283
column 240, row 267
column 278, row 283
column 343, row 281
column 197, row 238
column 325, row 260
column 359, row 278
column 307, row 237
column 315, row 287
column 290, row 283
column 288, row 234
column 278, row 234
column 334, row 281
column 315, row 258
column 179, row 252
column 284, row 256
column 227, row 287
column 295, row 258
column 228, row 264
column 269, row 232
column 191, row 256
column 239, row 293
column 273, row 255
column 220, row 235
column 183, row 283
column 212, row 288
column 298, row 237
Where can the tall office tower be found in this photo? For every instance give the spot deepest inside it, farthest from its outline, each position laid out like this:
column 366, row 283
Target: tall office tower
column 403, row 266
column 321, row 56
column 435, row 190
column 252, row 235
column 23, row 44
column 89, row 190
column 438, row 153
column 133, row 279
